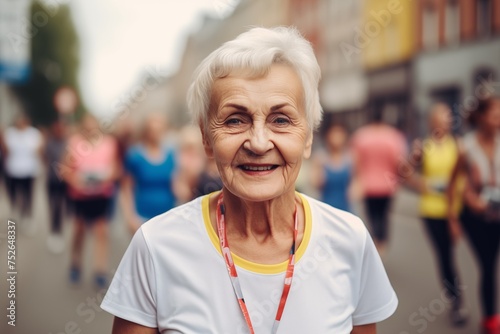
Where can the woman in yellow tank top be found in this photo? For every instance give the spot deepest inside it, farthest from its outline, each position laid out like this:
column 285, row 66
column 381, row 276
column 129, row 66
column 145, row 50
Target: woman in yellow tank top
column 437, row 155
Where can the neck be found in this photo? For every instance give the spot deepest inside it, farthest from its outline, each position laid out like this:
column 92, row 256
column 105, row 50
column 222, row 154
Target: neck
column 151, row 145
column 336, row 150
column 440, row 136
column 260, row 221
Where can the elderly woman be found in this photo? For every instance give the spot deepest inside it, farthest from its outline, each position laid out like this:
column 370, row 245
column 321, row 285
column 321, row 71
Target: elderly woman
column 256, row 257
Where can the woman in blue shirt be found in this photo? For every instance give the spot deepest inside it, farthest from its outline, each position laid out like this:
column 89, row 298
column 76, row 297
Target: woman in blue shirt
column 333, row 170
column 149, row 172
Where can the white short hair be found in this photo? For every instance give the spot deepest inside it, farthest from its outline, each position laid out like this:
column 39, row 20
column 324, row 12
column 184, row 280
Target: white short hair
column 256, row 51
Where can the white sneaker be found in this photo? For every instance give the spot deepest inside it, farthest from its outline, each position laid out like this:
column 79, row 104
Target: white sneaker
column 55, row 243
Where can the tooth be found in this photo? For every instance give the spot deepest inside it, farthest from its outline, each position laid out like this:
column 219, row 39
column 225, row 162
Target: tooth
column 257, row 168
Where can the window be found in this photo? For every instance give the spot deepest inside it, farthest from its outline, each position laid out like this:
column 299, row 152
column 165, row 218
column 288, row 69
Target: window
column 430, row 35
column 452, row 22
column 484, row 10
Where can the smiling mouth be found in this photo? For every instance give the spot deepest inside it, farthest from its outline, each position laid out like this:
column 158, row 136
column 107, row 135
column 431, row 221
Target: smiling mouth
column 253, row 168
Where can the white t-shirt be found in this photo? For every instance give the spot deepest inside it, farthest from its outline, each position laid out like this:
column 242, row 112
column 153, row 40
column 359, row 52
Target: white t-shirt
column 23, row 156
column 174, row 278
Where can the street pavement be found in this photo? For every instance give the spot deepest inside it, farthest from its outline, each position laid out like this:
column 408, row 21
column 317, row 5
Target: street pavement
column 47, row 304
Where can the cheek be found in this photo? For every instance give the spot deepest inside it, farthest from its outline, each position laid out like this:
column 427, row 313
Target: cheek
column 224, row 149
column 293, row 150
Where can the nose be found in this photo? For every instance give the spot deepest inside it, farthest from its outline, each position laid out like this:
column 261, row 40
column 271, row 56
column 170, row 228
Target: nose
column 259, row 140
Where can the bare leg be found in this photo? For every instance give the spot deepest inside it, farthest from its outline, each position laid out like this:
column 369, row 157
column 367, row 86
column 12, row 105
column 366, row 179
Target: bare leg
column 101, row 233
column 78, row 238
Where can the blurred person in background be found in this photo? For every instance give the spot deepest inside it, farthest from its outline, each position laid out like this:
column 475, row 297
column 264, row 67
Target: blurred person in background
column 377, row 150
column 256, row 101
column 479, row 159
column 23, row 151
column 332, row 172
column 2, row 154
column 435, row 157
column 91, row 168
column 192, row 165
column 55, row 148
column 149, row 171
column 125, row 136
column 209, row 180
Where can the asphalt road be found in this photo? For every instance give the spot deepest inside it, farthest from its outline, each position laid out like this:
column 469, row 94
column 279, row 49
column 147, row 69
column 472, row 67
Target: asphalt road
column 47, row 304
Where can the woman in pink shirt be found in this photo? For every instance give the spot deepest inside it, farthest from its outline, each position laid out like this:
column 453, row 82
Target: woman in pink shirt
column 378, row 150
column 91, row 167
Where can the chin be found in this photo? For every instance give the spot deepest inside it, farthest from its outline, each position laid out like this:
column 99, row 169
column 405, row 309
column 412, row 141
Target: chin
column 258, row 192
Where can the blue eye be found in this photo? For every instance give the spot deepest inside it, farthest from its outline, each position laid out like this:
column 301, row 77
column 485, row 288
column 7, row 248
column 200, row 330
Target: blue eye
column 281, row 120
column 233, row 121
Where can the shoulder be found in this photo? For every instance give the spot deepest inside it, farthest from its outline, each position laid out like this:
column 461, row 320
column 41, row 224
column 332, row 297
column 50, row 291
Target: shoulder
column 180, row 221
column 397, row 135
column 170, row 151
column 8, row 133
column 75, row 140
column 110, row 141
column 133, row 151
column 34, row 131
column 468, row 142
column 335, row 221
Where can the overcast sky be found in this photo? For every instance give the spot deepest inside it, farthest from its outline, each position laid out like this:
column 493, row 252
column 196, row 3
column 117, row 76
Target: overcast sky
column 121, row 38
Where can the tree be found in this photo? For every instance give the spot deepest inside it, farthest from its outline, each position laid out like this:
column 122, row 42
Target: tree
column 54, row 61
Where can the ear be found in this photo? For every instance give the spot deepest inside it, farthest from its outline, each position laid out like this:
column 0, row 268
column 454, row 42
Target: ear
column 207, row 145
column 308, row 147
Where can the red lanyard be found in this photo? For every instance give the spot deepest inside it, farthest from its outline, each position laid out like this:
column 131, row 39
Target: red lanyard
column 231, row 268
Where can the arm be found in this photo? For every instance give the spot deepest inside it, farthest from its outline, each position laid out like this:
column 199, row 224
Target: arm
column 355, row 190
column 473, row 199
column 3, row 144
column 182, row 186
column 117, row 169
column 67, row 172
column 451, row 194
column 122, row 326
column 365, row 329
column 318, row 174
column 415, row 180
column 127, row 202
column 41, row 145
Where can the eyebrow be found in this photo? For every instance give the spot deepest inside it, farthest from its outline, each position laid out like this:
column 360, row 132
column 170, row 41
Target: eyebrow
column 245, row 109
column 235, row 106
column 279, row 106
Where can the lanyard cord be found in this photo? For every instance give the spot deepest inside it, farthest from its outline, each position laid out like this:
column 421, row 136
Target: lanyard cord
column 233, row 275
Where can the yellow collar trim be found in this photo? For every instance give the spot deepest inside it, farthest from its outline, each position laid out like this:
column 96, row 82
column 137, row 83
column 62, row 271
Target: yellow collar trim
column 252, row 266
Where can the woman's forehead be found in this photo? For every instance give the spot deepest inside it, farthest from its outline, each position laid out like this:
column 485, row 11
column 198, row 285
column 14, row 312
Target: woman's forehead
column 280, row 80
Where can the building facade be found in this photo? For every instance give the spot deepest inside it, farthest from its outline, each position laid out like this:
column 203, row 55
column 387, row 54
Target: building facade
column 387, row 39
column 212, row 33
column 459, row 56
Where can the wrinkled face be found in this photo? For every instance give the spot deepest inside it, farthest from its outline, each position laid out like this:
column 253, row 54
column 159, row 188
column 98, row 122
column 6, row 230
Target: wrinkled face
column 258, row 133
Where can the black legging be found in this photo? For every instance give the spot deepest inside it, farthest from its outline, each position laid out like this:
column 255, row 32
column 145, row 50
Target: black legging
column 377, row 209
column 20, row 192
column 484, row 238
column 439, row 234
column 57, row 199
